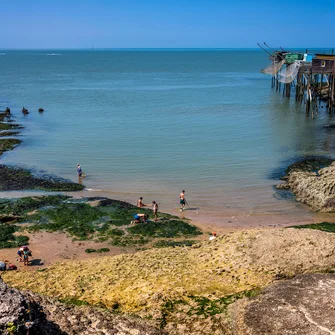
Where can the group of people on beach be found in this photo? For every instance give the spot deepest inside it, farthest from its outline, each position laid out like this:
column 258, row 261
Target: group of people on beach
column 144, row 217
column 141, row 217
column 24, row 253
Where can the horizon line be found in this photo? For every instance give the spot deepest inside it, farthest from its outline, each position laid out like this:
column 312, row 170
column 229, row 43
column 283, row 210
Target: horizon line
column 158, row 48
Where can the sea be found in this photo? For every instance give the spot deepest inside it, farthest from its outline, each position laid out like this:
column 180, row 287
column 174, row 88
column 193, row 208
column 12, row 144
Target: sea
column 152, row 122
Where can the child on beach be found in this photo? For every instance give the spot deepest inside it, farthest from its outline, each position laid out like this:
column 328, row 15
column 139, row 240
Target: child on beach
column 155, row 209
column 140, row 202
column 21, row 252
column 26, row 257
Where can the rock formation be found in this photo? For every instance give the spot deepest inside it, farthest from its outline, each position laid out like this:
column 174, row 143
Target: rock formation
column 314, row 188
column 185, row 290
column 22, row 311
column 303, row 305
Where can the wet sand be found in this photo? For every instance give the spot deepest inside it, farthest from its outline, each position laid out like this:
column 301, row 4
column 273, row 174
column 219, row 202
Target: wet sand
column 49, row 248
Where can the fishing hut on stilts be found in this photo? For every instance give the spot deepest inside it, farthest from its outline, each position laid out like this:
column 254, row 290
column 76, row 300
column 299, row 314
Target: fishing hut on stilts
column 310, row 77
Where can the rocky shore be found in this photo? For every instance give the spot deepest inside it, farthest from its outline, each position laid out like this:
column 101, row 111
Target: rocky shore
column 195, row 290
column 12, row 178
column 313, row 183
column 26, row 312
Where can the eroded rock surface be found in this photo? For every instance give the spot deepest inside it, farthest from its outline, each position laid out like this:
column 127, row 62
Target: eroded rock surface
column 41, row 315
column 304, row 305
column 316, row 189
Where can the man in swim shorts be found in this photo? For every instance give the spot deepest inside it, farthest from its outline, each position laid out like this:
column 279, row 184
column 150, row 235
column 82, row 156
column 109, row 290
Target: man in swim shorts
column 182, row 200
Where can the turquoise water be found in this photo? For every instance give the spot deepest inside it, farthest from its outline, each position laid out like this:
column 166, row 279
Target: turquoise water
column 154, row 122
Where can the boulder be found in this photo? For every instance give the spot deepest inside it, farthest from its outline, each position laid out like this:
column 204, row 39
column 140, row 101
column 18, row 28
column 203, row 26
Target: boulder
column 316, row 188
column 28, row 313
column 303, row 305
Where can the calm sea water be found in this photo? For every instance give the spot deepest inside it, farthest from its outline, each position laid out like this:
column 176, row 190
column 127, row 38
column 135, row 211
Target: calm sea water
column 154, row 122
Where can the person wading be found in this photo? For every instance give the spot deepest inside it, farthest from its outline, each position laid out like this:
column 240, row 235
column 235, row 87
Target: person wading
column 182, row 200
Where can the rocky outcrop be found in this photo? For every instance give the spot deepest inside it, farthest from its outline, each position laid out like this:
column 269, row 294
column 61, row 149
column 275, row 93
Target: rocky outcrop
column 186, row 290
column 316, row 189
column 22, row 311
column 303, row 305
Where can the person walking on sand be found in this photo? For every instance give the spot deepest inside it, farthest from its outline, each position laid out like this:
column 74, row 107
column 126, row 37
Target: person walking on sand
column 182, row 200
column 140, row 202
column 155, row 209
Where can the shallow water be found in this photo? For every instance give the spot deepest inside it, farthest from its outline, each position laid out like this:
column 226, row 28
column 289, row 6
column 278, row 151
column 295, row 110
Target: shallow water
column 154, row 122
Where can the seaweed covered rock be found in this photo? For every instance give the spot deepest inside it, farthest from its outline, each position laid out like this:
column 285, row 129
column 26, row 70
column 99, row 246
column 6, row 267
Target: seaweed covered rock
column 21, row 179
column 303, row 305
column 314, row 187
column 186, row 290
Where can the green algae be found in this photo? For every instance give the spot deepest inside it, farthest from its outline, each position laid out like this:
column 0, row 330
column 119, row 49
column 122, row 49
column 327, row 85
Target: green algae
column 323, row 226
column 22, row 206
column 12, row 179
column 201, row 306
column 7, row 237
column 8, row 126
column 166, row 244
column 165, row 228
column 82, row 221
column 9, row 133
column 310, row 164
column 101, row 250
column 8, row 144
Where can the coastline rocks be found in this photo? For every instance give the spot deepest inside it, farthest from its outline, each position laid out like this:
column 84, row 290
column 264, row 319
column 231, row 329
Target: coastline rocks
column 185, row 290
column 12, row 178
column 314, row 188
column 303, row 305
column 14, row 311
column 22, row 311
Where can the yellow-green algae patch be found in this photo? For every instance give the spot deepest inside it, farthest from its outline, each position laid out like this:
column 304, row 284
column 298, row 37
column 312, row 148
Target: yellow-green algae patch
column 143, row 282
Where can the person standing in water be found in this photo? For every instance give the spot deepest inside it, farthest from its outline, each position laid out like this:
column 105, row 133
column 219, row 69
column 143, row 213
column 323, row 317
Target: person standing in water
column 155, row 209
column 182, row 200
column 79, row 170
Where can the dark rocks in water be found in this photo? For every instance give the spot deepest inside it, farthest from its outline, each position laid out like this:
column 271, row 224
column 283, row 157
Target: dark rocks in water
column 7, row 111
column 41, row 110
column 310, row 164
column 12, row 179
column 9, row 133
column 8, row 144
column 23, row 313
column 25, row 111
column 313, row 183
column 303, row 305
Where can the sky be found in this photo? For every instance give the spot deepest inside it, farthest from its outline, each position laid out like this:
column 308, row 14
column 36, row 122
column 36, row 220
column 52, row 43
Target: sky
column 48, row 24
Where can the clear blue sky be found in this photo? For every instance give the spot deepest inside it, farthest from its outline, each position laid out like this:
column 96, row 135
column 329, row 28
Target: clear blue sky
column 165, row 24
